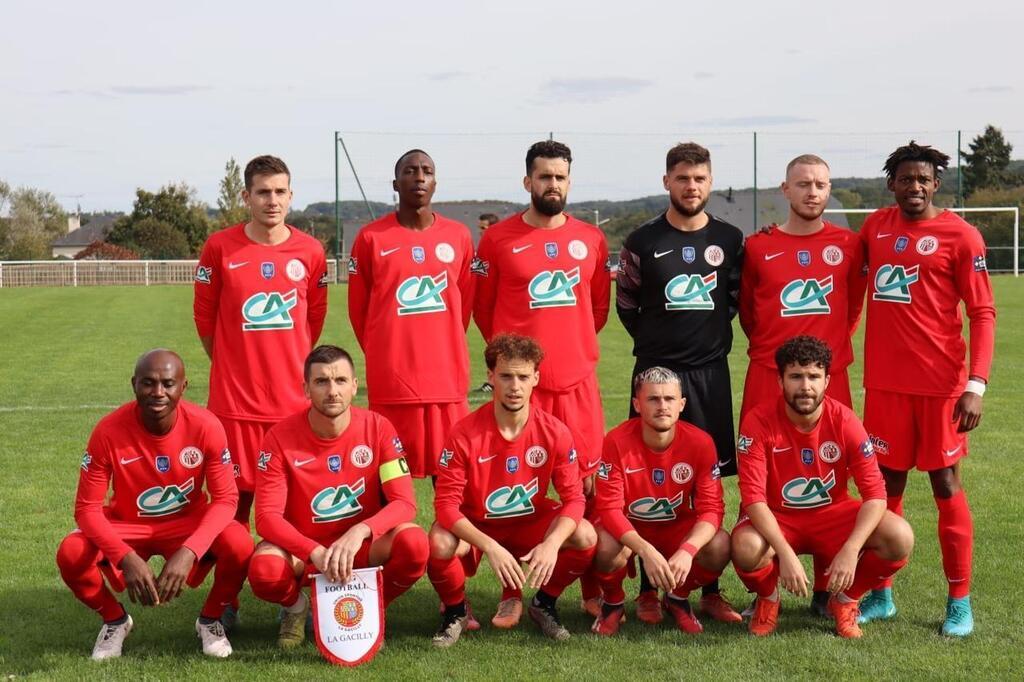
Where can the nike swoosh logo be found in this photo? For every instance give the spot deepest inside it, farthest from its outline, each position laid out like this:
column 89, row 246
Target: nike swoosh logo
column 769, row 256
column 633, row 471
column 303, row 462
column 950, row 453
column 129, row 461
column 389, row 251
column 235, row 266
column 883, row 235
column 725, row 463
column 518, row 249
column 659, row 254
column 591, row 465
column 774, row 449
column 481, row 460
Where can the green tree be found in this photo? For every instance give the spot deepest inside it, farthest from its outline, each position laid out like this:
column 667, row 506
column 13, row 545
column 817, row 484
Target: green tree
column 160, row 241
column 986, row 164
column 174, row 205
column 34, row 219
column 232, row 209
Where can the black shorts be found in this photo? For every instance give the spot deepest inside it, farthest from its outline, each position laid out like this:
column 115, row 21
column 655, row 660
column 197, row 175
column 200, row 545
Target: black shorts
column 708, row 394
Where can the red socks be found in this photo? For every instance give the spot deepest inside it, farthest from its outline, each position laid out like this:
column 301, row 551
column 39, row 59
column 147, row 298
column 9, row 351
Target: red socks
column 611, row 585
column 895, row 505
column 449, row 579
column 697, row 577
column 956, row 540
column 870, row 570
column 77, row 559
column 231, row 550
column 409, row 554
column 762, row 581
column 572, row 563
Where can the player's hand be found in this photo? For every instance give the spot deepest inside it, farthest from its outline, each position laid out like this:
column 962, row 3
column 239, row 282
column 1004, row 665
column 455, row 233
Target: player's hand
column 840, row 572
column 658, row 570
column 342, row 553
column 967, row 411
column 792, row 574
column 505, row 566
column 174, row 574
column 317, row 556
column 540, row 563
column 139, row 580
column 588, row 486
column 681, row 562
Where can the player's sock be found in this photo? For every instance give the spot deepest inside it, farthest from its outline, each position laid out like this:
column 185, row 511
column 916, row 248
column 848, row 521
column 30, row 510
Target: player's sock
column 870, row 570
column 449, row 580
column 645, row 582
column 895, row 505
column 245, row 498
column 572, row 563
column 590, row 585
column 709, row 588
column 232, row 549
column 511, row 593
column 697, row 577
column 272, row 579
column 76, row 559
column 611, row 585
column 820, row 579
column 545, row 599
column 408, row 562
column 956, row 539
column 762, row 581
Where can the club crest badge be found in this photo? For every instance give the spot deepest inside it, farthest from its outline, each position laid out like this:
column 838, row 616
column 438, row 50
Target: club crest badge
column 689, row 254
column 267, row 270
column 163, row 463
column 658, row 476
column 803, row 258
column 334, row 463
column 512, row 464
column 551, row 250
column 901, row 244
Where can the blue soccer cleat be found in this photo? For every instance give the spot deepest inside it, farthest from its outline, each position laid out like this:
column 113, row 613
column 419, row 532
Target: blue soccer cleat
column 878, row 605
column 959, row 617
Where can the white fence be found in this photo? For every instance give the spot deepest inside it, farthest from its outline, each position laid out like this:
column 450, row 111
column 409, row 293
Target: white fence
column 84, row 273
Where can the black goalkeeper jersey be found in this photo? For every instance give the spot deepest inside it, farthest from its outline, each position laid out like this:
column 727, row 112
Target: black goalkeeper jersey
column 678, row 291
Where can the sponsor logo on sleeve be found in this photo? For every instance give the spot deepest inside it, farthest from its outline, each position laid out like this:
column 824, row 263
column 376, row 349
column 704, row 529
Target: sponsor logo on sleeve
column 323, row 281
column 263, row 460
column 479, row 266
column 572, row 455
column 225, row 456
column 396, row 443
column 203, row 274
column 979, row 264
column 743, row 444
column 86, row 461
column 353, row 265
column 880, row 445
column 603, row 469
column 446, row 457
column 867, row 449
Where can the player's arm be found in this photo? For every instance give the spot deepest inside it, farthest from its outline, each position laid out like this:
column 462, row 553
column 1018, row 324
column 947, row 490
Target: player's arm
column 735, row 277
column 316, row 296
column 856, row 283
column 206, row 296
column 467, row 282
column 360, row 282
column 975, row 289
column 601, row 285
column 627, row 289
column 708, row 504
column 485, row 296
column 748, row 287
column 271, row 498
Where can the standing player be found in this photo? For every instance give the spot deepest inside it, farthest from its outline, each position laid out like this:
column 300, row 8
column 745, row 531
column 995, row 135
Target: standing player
column 805, row 276
column 796, row 455
column 490, row 500
column 156, row 453
column 409, row 300
column 545, row 274
column 678, row 289
column 659, row 496
column 333, row 493
column 260, row 304
column 921, row 399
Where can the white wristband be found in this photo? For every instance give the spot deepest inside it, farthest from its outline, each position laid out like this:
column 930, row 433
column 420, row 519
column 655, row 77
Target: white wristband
column 975, row 386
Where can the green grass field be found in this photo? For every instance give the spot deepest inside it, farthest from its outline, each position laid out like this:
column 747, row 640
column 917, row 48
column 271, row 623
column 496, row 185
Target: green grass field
column 66, row 359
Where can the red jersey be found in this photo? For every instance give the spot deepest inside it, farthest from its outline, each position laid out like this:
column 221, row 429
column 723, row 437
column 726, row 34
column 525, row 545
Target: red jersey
column 552, row 285
column 309, row 491
column 638, row 485
column 483, row 476
column 264, row 306
column 156, row 480
column 790, row 470
column 410, row 296
column 802, row 284
column 920, row 271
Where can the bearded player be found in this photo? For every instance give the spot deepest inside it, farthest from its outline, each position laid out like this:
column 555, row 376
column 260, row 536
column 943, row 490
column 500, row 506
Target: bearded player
column 805, row 276
column 156, row 454
column 333, row 493
column 659, row 496
column 545, row 274
column 921, row 399
column 260, row 303
column 490, row 497
column 796, row 456
column 678, row 289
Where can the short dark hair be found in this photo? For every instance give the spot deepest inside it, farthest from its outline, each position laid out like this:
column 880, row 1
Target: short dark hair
column 915, row 152
column 411, row 151
column 802, row 351
column 326, row 355
column 491, row 218
column 687, row 152
column 513, row 347
column 265, row 165
column 547, row 149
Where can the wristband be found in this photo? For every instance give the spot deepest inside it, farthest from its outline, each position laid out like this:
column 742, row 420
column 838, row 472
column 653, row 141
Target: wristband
column 975, row 386
column 689, row 549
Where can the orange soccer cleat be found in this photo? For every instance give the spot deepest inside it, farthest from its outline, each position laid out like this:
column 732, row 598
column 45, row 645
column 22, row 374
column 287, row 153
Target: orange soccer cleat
column 508, row 614
column 717, row 607
column 846, row 614
column 765, row 618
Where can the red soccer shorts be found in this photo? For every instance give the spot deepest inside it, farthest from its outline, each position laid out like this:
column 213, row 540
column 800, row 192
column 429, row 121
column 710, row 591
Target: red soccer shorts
column 580, row 409
column 361, row 560
column 762, row 386
column 913, row 430
column 518, row 535
column 820, row 532
column 666, row 537
column 422, row 427
column 245, row 438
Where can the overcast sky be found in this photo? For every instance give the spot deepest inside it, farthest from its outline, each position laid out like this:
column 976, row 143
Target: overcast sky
column 102, row 97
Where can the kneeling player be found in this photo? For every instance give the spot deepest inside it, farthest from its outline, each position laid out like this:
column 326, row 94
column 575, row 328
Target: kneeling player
column 490, row 497
column 156, row 454
column 796, row 455
column 659, row 496
column 333, row 493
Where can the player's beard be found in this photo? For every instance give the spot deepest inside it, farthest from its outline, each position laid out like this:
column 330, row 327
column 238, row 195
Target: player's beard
column 796, row 407
column 509, row 408
column 689, row 213
column 331, row 411
column 548, row 205
column 808, row 213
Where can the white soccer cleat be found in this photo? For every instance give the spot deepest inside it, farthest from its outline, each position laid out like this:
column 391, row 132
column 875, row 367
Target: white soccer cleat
column 215, row 640
column 110, row 640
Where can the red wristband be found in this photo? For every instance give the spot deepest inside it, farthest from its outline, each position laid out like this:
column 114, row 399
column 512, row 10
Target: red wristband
column 689, row 549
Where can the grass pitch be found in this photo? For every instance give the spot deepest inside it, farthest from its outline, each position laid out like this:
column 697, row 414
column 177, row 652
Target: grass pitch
column 66, row 359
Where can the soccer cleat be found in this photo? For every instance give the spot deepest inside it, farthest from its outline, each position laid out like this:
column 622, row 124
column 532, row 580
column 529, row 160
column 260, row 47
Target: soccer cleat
column 959, row 617
column 682, row 613
column 111, row 639
column 845, row 614
column 546, row 618
column 878, row 605
column 230, row 618
column 819, row 604
column 508, row 614
column 452, row 627
column 765, row 617
column 292, row 632
column 472, row 624
column 749, row 611
column 215, row 640
column 648, row 607
column 608, row 625
column 716, row 607
column 592, row 606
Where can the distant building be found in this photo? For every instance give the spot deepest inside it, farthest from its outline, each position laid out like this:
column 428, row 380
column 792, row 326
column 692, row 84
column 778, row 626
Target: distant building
column 78, row 238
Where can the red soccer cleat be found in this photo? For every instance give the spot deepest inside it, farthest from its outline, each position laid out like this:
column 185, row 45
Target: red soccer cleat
column 648, row 607
column 846, row 614
column 682, row 613
column 592, row 606
column 609, row 625
column 765, row 618
column 716, row 607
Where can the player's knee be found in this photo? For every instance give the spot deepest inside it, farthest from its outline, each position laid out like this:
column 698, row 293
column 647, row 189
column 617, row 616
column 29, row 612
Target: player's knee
column 747, row 547
column 412, row 544
column 716, row 553
column 237, row 546
column 442, row 543
column 584, row 537
column 945, row 482
column 900, row 540
column 610, row 555
column 270, row 576
column 74, row 554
